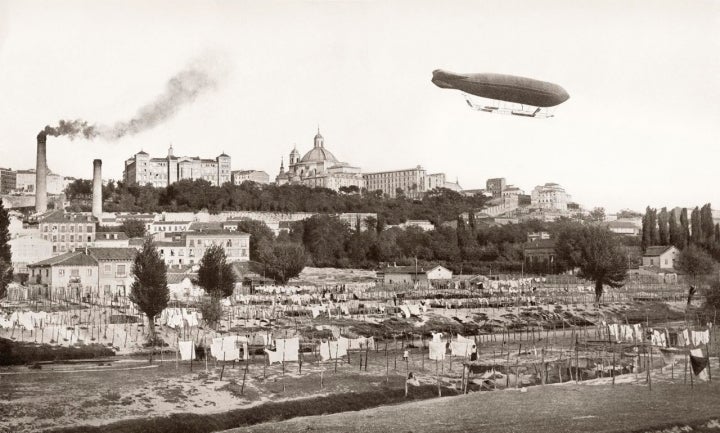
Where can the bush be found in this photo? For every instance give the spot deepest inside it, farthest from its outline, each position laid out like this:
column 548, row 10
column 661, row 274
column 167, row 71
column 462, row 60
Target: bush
column 211, row 311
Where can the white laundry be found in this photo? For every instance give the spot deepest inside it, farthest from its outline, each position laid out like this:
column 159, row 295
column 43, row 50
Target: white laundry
column 187, row 350
column 437, row 350
column 461, row 348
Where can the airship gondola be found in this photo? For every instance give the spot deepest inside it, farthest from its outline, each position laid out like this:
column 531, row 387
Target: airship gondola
column 505, row 94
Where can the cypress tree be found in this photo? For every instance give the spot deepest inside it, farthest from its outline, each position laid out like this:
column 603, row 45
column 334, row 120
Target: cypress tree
column 707, row 225
column 663, row 227
column 149, row 291
column 684, row 228
column 696, row 234
column 674, row 231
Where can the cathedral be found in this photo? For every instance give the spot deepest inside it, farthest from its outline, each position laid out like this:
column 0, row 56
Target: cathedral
column 319, row 168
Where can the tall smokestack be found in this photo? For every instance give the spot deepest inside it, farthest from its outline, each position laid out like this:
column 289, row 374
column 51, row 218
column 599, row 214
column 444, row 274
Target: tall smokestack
column 97, row 189
column 41, row 174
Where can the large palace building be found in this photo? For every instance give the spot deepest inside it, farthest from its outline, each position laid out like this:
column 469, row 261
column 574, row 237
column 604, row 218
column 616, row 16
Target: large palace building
column 141, row 169
column 319, row 168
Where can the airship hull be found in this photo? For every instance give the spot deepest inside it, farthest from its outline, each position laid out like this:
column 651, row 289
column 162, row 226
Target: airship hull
column 503, row 87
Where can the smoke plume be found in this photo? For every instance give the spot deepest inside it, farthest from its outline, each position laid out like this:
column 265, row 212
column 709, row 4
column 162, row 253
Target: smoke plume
column 182, row 89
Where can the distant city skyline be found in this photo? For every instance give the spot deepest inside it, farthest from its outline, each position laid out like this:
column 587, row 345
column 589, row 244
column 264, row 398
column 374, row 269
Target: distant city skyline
column 640, row 127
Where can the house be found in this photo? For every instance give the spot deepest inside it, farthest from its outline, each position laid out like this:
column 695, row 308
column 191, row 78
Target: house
column 72, row 275
column 539, row 256
column 621, row 227
column 114, row 270
column 663, row 257
column 422, row 275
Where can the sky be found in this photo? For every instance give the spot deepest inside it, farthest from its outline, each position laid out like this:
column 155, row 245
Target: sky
column 641, row 126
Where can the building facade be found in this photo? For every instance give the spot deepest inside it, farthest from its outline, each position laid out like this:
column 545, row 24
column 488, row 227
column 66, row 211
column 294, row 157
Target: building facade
column 114, row 270
column 67, row 231
column 141, row 169
column 188, row 248
column 257, row 176
column 319, row 168
column 411, row 182
column 8, row 180
column 495, row 186
column 25, row 182
column 27, row 250
column 550, row 196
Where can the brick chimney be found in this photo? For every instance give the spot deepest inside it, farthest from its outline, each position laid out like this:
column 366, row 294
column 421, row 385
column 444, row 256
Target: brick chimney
column 97, row 189
column 41, row 174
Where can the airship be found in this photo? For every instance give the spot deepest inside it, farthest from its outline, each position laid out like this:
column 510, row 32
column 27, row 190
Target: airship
column 505, row 94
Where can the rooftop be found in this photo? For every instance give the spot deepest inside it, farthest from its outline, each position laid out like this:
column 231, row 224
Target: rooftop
column 73, row 258
column 656, row 250
column 124, row 254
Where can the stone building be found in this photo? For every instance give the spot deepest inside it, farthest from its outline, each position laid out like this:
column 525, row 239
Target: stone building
column 141, row 169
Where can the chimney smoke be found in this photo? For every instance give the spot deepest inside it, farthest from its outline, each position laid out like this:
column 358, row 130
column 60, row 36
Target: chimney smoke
column 97, row 189
column 41, row 174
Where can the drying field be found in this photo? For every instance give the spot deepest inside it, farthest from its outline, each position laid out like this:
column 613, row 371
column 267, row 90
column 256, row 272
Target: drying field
column 45, row 384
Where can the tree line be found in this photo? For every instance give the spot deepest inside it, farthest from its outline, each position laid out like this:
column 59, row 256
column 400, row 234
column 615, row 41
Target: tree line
column 195, row 195
column 676, row 228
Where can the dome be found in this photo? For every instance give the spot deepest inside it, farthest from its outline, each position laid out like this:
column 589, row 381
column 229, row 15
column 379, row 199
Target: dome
column 319, row 154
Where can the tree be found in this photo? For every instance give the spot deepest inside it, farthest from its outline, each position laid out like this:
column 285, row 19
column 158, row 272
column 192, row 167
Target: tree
column 149, row 290
column 598, row 254
column 283, row 260
column 684, row 228
column 79, row 188
column 707, row 225
column 597, row 214
column 259, row 232
column 650, row 235
column 216, row 275
column 324, row 238
column 696, row 234
column 663, row 226
column 695, row 262
column 6, row 269
column 133, row 228
column 674, row 232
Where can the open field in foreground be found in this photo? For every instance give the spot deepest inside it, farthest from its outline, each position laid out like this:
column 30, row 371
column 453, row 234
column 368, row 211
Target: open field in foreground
column 559, row 408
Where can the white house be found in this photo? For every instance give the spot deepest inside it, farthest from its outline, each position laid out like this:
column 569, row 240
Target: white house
column 439, row 273
column 663, row 257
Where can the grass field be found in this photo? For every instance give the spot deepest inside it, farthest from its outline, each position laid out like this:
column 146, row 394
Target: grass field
column 559, row 408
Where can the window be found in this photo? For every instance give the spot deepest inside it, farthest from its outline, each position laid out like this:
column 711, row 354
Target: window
column 89, row 272
column 89, row 238
column 61, row 272
column 89, row 229
column 72, row 238
column 62, row 229
column 120, row 270
column 107, row 268
column 72, row 229
column 75, row 272
column 62, row 238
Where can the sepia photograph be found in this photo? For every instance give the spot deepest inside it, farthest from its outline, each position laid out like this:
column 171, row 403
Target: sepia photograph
column 359, row 216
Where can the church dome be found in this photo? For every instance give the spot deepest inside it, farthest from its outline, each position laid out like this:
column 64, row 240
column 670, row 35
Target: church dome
column 319, row 154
